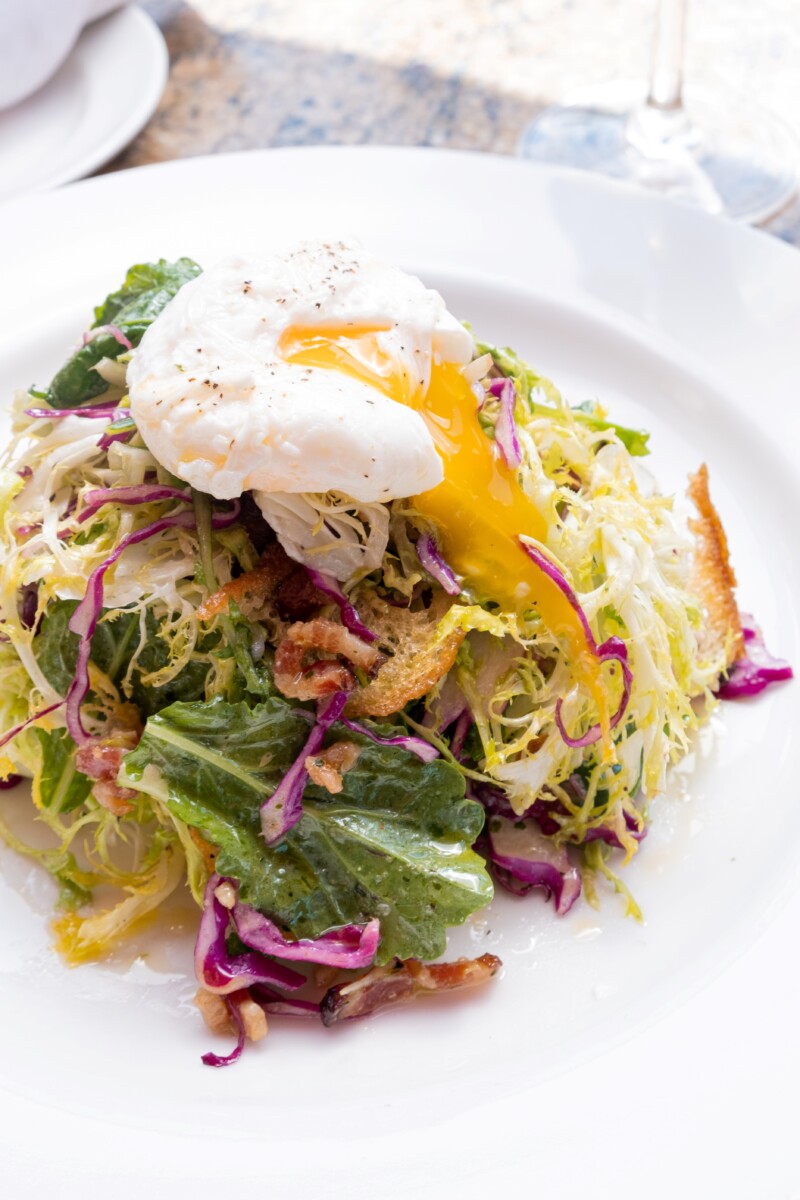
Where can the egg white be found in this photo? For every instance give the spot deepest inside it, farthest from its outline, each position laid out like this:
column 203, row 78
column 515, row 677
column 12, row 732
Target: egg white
column 219, row 407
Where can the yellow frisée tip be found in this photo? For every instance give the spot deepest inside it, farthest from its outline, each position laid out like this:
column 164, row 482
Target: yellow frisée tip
column 82, row 939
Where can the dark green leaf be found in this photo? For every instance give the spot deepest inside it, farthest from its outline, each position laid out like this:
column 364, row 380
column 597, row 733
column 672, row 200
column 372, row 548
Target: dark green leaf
column 61, row 786
column 56, row 649
column 253, row 679
column 395, row 843
column 77, row 381
column 147, row 289
column 188, row 685
column 113, row 645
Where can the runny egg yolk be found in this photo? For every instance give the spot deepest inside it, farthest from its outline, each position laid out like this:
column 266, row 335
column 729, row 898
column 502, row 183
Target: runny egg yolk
column 479, row 509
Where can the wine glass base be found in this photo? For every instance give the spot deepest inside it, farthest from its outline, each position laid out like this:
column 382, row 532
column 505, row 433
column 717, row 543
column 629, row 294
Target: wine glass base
column 717, row 154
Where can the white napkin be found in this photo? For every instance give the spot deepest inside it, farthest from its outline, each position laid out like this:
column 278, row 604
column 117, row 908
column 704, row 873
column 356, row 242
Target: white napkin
column 36, row 37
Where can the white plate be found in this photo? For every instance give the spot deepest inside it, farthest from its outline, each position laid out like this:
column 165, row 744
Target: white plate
column 96, row 103
column 610, row 1056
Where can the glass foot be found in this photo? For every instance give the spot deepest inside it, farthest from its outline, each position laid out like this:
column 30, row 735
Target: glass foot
column 717, row 153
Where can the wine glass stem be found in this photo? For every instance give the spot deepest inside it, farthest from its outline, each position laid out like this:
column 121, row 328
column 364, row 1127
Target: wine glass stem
column 666, row 78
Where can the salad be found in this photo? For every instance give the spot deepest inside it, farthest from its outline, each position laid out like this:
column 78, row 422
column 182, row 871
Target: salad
column 316, row 605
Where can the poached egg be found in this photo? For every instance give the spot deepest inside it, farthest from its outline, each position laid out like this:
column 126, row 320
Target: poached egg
column 227, row 400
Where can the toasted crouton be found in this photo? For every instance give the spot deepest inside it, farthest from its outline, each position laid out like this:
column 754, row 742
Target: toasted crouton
column 254, row 590
column 418, row 661
column 215, row 1012
column 713, row 580
column 278, row 589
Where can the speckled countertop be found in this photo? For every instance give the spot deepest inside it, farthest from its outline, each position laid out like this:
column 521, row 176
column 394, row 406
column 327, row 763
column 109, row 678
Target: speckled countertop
column 467, row 74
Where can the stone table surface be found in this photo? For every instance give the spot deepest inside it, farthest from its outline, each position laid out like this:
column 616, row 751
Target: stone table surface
column 466, row 74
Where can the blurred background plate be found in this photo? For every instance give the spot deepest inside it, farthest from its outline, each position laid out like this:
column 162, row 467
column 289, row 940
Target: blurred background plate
column 629, row 1057
column 98, row 100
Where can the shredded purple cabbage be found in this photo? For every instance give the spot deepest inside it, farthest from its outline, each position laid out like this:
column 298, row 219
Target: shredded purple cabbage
column 505, row 429
column 210, row 1059
column 108, row 439
column 451, row 704
column 28, row 605
column 350, row 618
column 104, row 412
column 544, row 812
column 349, row 947
column 523, row 858
column 604, row 833
column 227, row 974
column 615, row 650
column 12, row 733
column 415, row 745
column 97, row 412
column 143, row 493
column 431, row 559
column 285, row 806
column 83, row 621
column 495, row 801
column 222, row 972
column 549, row 568
column 284, row 1006
column 115, row 332
column 757, row 670
column 612, row 650
column 463, row 726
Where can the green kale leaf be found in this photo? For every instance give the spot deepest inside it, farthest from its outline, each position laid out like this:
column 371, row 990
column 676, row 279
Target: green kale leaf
column 113, row 645
column 61, row 787
column 395, row 843
column 147, row 289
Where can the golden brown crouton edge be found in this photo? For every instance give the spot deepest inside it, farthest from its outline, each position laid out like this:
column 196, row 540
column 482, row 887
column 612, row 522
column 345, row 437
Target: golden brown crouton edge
column 713, row 580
